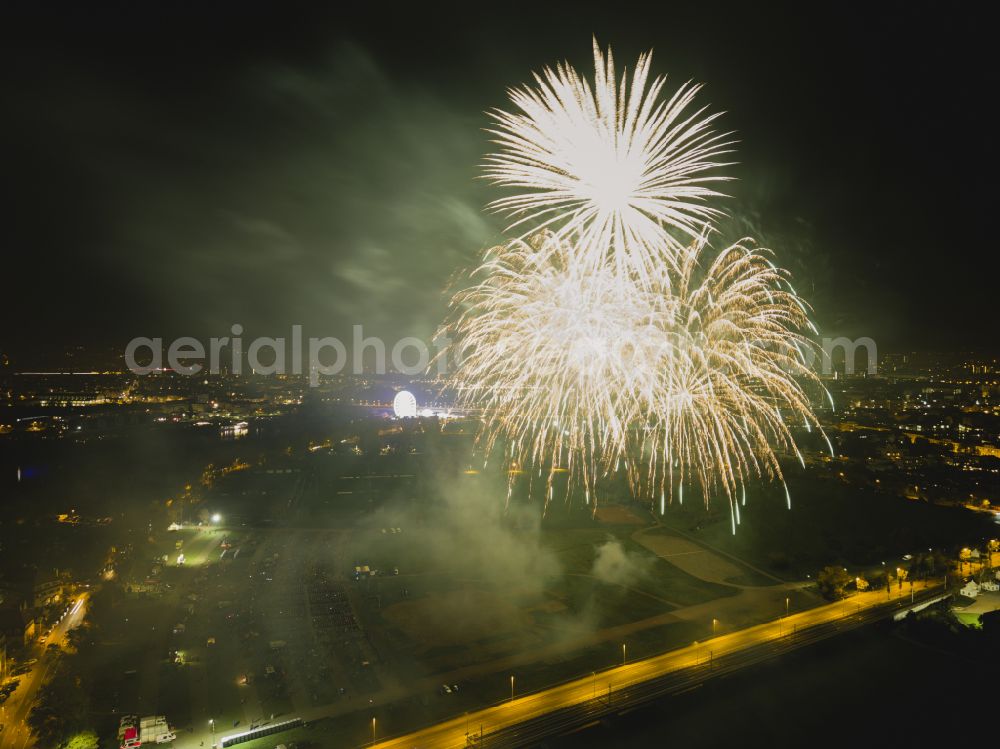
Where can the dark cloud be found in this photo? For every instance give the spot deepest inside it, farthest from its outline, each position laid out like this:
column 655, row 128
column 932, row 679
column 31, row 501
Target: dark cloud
column 176, row 171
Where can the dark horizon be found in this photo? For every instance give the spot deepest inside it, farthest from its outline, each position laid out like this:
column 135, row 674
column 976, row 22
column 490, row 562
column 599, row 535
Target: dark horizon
column 175, row 172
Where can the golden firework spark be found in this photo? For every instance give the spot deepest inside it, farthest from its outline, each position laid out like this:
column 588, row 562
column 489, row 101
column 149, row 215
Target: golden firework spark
column 734, row 378
column 555, row 355
column 584, row 370
column 610, row 334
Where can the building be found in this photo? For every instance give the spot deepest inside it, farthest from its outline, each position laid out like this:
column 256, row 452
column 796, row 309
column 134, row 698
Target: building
column 17, row 628
column 971, row 589
column 47, row 589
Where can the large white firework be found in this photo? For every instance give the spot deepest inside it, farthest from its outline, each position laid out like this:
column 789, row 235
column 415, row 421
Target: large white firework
column 621, row 170
column 610, row 335
column 693, row 379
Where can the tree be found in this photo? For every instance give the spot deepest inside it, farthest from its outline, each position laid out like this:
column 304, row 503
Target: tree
column 61, row 709
column 990, row 622
column 878, row 579
column 80, row 634
column 832, row 581
column 930, row 564
column 83, row 740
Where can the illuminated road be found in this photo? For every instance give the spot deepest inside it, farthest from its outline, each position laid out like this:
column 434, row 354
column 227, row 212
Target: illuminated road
column 617, row 688
column 14, row 713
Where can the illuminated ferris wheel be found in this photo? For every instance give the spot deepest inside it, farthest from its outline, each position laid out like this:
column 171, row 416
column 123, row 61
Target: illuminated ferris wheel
column 404, row 404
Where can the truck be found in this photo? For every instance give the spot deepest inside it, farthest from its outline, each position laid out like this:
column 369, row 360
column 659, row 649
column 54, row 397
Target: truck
column 153, row 729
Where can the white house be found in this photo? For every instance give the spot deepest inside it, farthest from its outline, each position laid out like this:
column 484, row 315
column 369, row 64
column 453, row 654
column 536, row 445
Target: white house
column 990, row 586
column 971, row 590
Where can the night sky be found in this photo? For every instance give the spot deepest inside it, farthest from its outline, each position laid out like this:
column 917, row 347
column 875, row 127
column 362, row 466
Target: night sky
column 172, row 172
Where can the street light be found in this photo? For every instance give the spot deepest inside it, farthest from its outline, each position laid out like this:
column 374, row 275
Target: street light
column 373, row 729
column 714, row 623
column 623, row 653
column 211, row 722
column 216, row 518
column 512, row 688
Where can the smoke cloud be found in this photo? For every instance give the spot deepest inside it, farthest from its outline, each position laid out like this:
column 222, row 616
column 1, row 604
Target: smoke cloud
column 615, row 566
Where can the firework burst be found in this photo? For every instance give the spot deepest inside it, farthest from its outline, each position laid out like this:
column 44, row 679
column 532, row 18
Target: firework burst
column 584, row 371
column 610, row 334
column 556, row 357
column 732, row 380
column 611, row 165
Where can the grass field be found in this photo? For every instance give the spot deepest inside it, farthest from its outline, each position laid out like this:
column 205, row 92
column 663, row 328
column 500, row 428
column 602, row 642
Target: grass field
column 829, row 523
column 441, row 616
column 969, row 620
